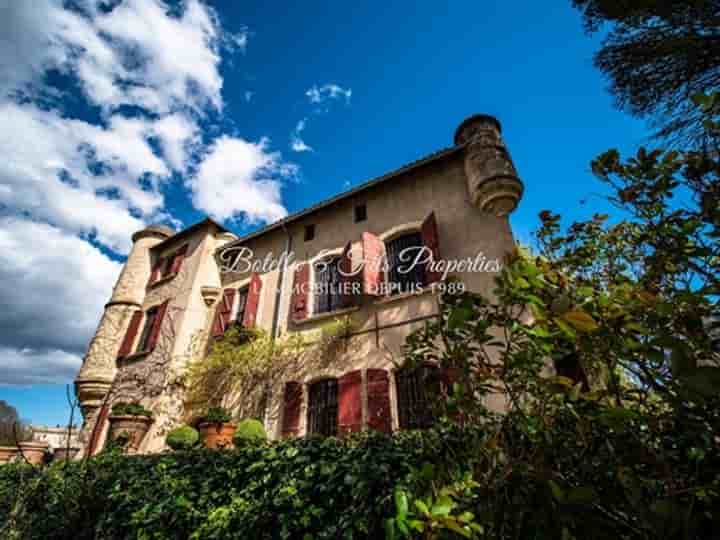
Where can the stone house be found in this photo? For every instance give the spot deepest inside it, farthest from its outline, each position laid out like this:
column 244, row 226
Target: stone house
column 179, row 291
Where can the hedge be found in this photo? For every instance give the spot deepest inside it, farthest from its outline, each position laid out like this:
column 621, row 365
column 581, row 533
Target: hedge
column 301, row 488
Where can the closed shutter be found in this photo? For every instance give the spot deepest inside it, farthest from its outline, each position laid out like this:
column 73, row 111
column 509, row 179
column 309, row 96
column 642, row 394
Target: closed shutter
column 178, row 259
column 127, row 343
column 223, row 313
column 252, row 301
column 378, row 392
column 299, row 307
column 156, row 270
column 349, row 412
column 157, row 325
column 292, row 402
column 430, row 240
column 373, row 260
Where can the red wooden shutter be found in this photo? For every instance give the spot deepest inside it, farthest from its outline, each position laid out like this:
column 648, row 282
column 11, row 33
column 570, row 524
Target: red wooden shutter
column 157, row 325
column 346, row 279
column 292, row 401
column 429, row 233
column 252, row 301
column 155, row 273
column 373, row 262
column 100, row 420
column 178, row 259
column 223, row 313
column 350, row 402
column 299, row 307
column 378, row 391
column 127, row 343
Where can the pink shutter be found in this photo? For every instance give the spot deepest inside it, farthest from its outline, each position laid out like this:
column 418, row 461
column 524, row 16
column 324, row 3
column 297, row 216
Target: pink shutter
column 378, row 391
column 346, row 280
column 221, row 322
column 252, row 301
column 373, row 262
column 292, row 401
column 100, row 420
column 156, row 269
column 350, row 402
column 157, row 325
column 127, row 343
column 299, row 307
column 429, row 233
column 178, row 259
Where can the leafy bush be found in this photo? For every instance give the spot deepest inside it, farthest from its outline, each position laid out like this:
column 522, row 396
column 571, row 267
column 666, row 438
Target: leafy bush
column 130, row 409
column 182, row 438
column 249, row 430
column 217, row 415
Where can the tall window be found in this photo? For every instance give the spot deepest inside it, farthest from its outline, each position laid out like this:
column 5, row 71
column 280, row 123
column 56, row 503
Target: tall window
column 150, row 317
column 242, row 303
column 401, row 252
column 323, row 408
column 327, row 286
column 416, row 389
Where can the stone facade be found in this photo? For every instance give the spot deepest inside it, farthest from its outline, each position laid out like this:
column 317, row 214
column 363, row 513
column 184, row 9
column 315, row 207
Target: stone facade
column 464, row 192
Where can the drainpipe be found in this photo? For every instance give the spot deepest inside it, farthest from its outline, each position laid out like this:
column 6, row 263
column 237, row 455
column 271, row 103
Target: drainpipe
column 281, row 285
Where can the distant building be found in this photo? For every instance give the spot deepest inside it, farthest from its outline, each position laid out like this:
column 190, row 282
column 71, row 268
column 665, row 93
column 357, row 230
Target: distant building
column 56, row 437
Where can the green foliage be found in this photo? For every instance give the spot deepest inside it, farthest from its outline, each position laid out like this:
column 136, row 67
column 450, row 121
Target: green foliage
column 249, row 430
column 217, row 415
column 182, row 438
column 130, row 409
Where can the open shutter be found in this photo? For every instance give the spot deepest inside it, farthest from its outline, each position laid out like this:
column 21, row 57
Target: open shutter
column 97, row 429
column 378, row 392
column 252, row 301
column 429, row 233
column 346, row 277
column 127, row 343
column 157, row 325
column 373, row 262
column 350, row 402
column 299, row 307
column 223, row 313
column 292, row 401
column 178, row 259
column 156, row 269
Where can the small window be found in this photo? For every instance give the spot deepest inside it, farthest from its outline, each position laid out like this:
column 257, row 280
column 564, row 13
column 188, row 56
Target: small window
column 242, row 303
column 327, row 286
column 403, row 274
column 150, row 317
column 309, row 232
column 416, row 389
column 360, row 213
column 323, row 408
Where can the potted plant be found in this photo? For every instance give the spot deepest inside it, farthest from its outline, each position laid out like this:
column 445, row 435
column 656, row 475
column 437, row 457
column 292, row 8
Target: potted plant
column 216, row 429
column 33, row 451
column 7, row 454
column 129, row 422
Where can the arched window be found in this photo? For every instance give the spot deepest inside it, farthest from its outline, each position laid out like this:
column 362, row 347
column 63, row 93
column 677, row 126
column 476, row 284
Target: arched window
column 323, row 408
column 403, row 274
column 327, row 286
column 416, row 390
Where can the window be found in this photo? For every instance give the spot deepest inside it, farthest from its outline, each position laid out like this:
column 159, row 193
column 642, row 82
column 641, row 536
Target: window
column 403, row 275
column 416, row 389
column 242, row 304
column 322, row 408
column 150, row 316
column 360, row 213
column 570, row 367
column 327, row 286
column 309, row 232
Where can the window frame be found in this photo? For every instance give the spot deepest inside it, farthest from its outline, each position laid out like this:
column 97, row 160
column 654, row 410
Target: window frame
column 329, row 301
column 407, row 281
column 148, row 323
column 322, row 416
column 415, row 399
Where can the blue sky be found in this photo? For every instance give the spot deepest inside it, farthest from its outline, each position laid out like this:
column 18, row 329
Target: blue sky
column 123, row 113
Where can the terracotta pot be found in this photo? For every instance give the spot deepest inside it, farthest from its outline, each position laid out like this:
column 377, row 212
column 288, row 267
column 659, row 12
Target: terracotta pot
column 34, row 451
column 217, row 435
column 133, row 428
column 62, row 453
column 7, row 454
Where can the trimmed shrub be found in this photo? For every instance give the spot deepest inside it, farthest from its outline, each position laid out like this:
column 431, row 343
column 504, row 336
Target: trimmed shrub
column 182, row 438
column 249, row 430
column 217, row 415
column 130, row 409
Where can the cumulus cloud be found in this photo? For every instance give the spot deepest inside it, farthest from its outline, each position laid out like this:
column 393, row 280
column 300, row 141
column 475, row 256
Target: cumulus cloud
column 320, row 94
column 297, row 144
column 238, row 178
column 54, row 286
column 179, row 135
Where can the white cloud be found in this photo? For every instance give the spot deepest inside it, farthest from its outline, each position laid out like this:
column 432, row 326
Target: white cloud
column 178, row 135
column 238, row 177
column 328, row 91
column 297, row 144
column 55, row 286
